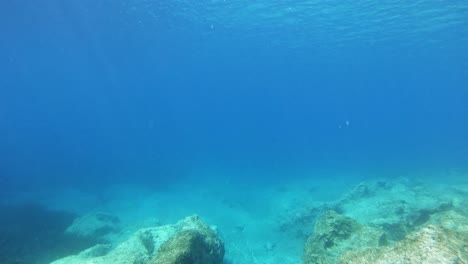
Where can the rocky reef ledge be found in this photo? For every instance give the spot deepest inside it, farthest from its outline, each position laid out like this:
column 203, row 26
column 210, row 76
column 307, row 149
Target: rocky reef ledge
column 387, row 223
column 190, row 241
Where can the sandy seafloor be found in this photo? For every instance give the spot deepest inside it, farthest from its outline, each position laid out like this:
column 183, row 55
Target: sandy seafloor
column 259, row 223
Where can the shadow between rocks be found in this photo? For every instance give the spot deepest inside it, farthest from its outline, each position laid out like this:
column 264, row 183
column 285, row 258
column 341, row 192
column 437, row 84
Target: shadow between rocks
column 32, row 234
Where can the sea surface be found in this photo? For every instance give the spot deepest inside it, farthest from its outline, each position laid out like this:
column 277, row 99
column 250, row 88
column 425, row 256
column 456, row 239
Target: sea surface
column 235, row 110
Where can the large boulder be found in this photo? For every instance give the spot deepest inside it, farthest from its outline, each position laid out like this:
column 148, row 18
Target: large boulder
column 191, row 247
column 334, row 234
column 166, row 244
column 430, row 245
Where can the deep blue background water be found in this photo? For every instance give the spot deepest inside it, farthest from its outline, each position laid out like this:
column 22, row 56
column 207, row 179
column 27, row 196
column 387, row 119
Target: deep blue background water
column 96, row 92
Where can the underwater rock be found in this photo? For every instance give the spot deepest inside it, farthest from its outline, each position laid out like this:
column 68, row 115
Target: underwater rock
column 432, row 244
column 421, row 216
column 96, row 251
column 380, row 224
column 363, row 191
column 191, row 247
column 398, row 207
column 369, row 188
column 452, row 220
column 147, row 244
column 334, row 234
column 299, row 221
column 95, row 225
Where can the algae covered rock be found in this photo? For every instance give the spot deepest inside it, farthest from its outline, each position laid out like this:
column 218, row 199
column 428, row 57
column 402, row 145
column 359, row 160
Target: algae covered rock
column 432, row 244
column 334, row 234
column 189, row 235
column 392, row 222
column 195, row 243
column 334, row 228
column 191, row 247
column 398, row 206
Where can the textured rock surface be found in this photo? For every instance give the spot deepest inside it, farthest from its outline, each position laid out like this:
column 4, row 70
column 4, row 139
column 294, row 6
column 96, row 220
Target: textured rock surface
column 191, row 247
column 392, row 222
column 398, row 207
column 335, row 234
column 146, row 244
column 431, row 244
column 194, row 243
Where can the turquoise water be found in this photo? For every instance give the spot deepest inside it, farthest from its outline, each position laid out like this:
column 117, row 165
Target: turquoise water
column 224, row 108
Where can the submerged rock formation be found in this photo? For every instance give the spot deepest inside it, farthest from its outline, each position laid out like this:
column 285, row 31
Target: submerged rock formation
column 299, row 221
column 398, row 207
column 388, row 223
column 340, row 239
column 432, row 244
column 335, row 234
column 188, row 241
column 191, row 247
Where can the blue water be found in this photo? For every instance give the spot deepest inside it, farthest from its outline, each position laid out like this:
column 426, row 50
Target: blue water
column 94, row 93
